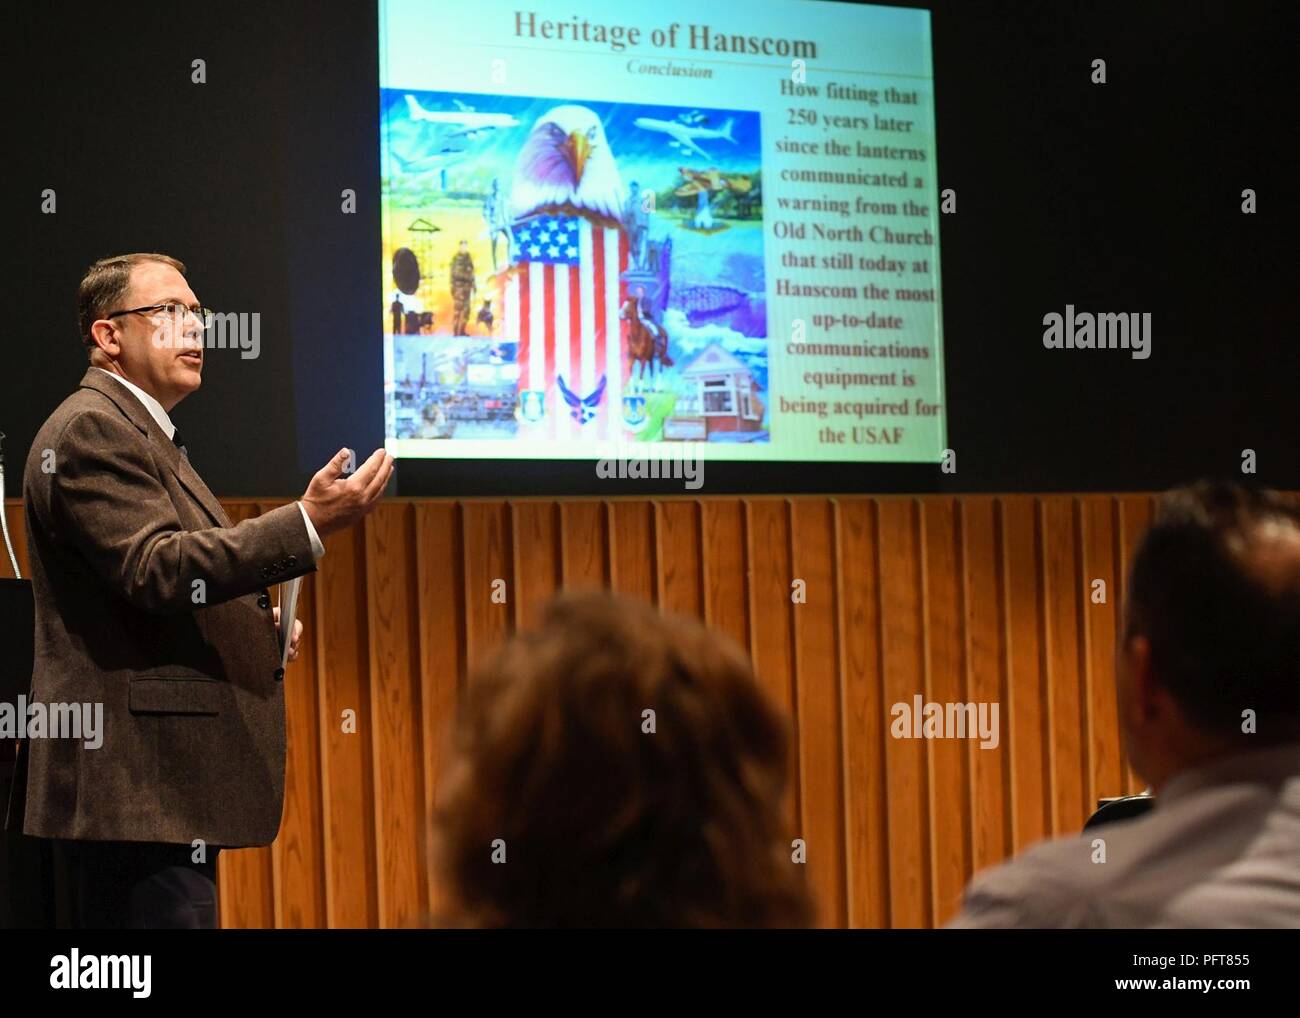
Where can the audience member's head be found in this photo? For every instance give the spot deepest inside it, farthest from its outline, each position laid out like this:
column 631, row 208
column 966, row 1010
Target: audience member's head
column 608, row 815
column 1210, row 660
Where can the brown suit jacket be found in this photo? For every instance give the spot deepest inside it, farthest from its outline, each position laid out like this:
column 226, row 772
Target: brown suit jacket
column 150, row 601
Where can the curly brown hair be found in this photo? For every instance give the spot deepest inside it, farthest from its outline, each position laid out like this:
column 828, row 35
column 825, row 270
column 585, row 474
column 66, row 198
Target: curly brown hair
column 603, row 822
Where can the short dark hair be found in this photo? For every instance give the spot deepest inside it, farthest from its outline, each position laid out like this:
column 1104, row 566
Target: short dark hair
column 606, row 825
column 105, row 284
column 1224, row 628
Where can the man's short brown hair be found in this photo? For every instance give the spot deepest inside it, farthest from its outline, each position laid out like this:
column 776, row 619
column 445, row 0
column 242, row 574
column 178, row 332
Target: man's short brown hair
column 105, row 284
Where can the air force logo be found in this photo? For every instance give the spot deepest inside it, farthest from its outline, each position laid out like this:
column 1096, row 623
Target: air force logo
column 634, row 411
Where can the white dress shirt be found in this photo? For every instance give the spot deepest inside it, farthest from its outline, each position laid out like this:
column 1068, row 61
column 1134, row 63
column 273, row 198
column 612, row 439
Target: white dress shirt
column 157, row 412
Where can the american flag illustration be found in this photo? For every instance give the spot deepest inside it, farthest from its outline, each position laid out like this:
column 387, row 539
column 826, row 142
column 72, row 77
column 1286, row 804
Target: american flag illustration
column 561, row 299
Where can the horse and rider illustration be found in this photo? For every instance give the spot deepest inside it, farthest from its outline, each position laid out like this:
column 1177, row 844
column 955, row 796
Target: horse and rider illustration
column 647, row 341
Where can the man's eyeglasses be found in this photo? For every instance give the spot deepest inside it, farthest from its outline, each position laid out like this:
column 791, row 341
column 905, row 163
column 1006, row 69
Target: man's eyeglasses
column 172, row 309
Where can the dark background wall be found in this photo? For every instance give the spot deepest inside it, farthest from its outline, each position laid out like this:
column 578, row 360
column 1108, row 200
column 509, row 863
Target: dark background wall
column 1121, row 197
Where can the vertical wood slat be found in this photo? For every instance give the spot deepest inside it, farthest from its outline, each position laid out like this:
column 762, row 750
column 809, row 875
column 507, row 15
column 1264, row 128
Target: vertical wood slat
column 722, row 549
column 949, row 813
column 487, row 577
column 245, row 880
column 771, row 641
column 985, row 650
column 400, row 837
column 535, row 543
column 1061, row 596
column 677, row 553
column 1098, row 538
column 342, row 636
column 297, row 855
column 1026, row 701
column 974, row 599
column 864, row 718
column 902, row 653
column 584, row 545
column 632, row 549
column 16, row 517
column 818, row 698
column 442, row 649
column 1134, row 516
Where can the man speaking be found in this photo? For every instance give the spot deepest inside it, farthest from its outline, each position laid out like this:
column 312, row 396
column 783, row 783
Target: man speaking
column 149, row 601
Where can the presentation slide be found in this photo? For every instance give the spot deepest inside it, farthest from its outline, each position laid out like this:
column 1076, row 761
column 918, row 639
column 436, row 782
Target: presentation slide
column 622, row 230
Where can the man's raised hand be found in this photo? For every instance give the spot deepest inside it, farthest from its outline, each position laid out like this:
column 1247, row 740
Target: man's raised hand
column 335, row 502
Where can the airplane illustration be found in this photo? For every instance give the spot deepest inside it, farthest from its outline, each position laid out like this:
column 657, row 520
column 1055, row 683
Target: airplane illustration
column 684, row 134
column 467, row 123
column 438, row 162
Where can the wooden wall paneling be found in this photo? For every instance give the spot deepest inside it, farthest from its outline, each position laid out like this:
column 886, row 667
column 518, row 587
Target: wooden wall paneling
column 535, row 543
column 632, row 548
column 1134, row 514
column 16, row 517
column 771, row 646
column 1097, row 519
column 396, row 751
column 903, row 657
column 976, row 599
column 677, row 552
column 1026, row 707
column 342, row 636
column 864, row 717
column 985, row 650
column 1062, row 586
column 584, row 545
column 439, row 567
column 245, row 881
column 726, row 573
column 945, row 666
column 298, row 853
column 817, row 694
column 487, row 570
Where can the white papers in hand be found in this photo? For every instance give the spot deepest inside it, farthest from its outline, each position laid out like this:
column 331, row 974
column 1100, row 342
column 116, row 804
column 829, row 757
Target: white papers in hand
column 288, row 612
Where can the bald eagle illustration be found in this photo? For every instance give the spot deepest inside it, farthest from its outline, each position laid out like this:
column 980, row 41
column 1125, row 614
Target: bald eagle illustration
column 566, row 167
